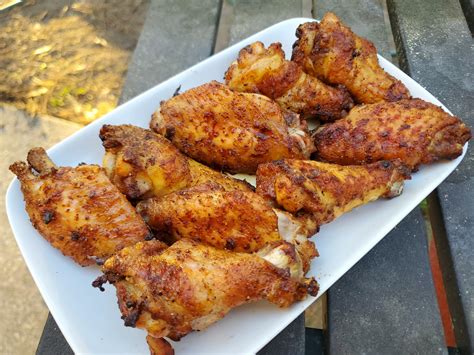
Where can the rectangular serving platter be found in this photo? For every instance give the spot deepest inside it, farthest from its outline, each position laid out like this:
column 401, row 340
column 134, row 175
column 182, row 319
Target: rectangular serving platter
column 90, row 320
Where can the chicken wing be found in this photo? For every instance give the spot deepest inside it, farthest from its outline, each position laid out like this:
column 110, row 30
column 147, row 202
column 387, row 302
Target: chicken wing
column 188, row 286
column 414, row 131
column 267, row 72
column 78, row 210
column 229, row 130
column 324, row 191
column 330, row 51
column 233, row 220
column 143, row 164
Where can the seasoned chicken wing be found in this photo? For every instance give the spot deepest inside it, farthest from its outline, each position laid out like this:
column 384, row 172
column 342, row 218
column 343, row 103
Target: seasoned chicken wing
column 414, row 131
column 330, row 51
column 143, row 164
column 267, row 72
column 229, row 130
column 323, row 191
column 234, row 220
column 78, row 210
column 188, row 286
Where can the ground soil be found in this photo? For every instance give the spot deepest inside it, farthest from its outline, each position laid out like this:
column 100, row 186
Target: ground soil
column 66, row 58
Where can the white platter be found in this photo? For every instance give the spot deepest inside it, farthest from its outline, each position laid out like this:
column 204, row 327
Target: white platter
column 90, row 320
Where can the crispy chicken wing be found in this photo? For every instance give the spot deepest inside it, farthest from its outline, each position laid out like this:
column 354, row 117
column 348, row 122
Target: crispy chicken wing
column 330, row 51
column 414, row 131
column 324, row 191
column 234, row 220
column 267, row 72
column 143, row 164
column 188, row 286
column 78, row 210
column 229, row 130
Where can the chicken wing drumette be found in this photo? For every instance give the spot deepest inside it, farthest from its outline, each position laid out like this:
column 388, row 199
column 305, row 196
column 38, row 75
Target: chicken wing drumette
column 188, row 286
column 143, row 164
column 78, row 210
column 414, row 131
column 234, row 220
column 267, row 72
column 230, row 130
column 330, row 51
column 323, row 191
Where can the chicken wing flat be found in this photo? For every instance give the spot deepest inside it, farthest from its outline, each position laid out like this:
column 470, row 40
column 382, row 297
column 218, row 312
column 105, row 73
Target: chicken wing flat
column 267, row 72
column 188, row 286
column 229, row 130
column 78, row 210
column 414, row 131
column 325, row 191
column 236, row 220
column 143, row 164
column 330, row 51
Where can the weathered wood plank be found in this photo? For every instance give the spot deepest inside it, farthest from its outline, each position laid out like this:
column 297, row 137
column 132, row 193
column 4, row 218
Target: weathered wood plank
column 176, row 35
column 386, row 303
column 364, row 16
column 437, row 50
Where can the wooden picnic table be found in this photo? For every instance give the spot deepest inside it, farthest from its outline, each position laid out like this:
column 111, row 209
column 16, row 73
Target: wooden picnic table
column 388, row 302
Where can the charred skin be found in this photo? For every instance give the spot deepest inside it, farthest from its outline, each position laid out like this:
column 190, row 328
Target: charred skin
column 322, row 191
column 188, row 286
column 143, row 164
column 333, row 53
column 231, row 131
column 78, row 210
column 267, row 72
column 414, row 131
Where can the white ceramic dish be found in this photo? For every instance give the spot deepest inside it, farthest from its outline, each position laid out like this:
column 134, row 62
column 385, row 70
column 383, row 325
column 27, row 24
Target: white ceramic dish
column 90, row 320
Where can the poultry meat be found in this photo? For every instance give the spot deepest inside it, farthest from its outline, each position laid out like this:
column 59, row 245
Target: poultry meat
column 188, row 286
column 234, row 220
column 414, row 131
column 78, row 210
column 323, row 191
column 143, row 164
column 333, row 53
column 267, row 72
column 229, row 130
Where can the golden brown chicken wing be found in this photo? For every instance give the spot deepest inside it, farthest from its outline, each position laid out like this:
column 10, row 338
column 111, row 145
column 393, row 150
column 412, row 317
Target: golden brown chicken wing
column 143, row 164
column 234, row 220
column 330, row 51
column 414, row 131
column 267, row 72
column 78, row 210
column 229, row 130
column 324, row 191
column 188, row 286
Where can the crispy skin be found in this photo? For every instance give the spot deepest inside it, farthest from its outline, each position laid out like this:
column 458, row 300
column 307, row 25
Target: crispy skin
column 188, row 286
column 332, row 52
column 143, row 164
column 324, row 191
column 414, row 131
column 234, row 220
column 78, row 210
column 229, row 130
column 267, row 72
